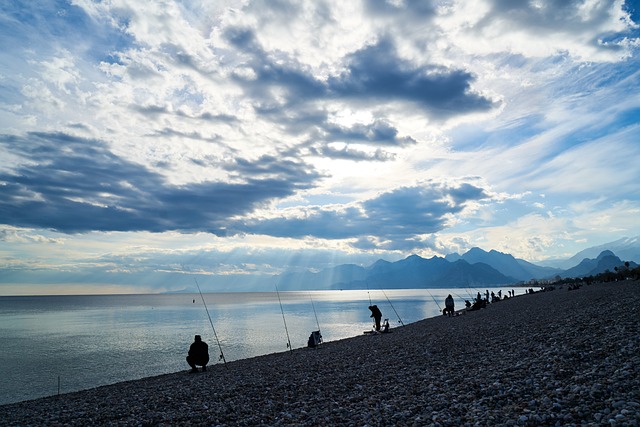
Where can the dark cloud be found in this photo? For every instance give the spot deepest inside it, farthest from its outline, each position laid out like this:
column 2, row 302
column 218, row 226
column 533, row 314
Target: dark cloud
column 556, row 15
column 169, row 132
column 154, row 110
column 373, row 74
column 349, row 153
column 268, row 167
column 380, row 132
column 321, row 133
column 376, row 73
column 407, row 10
column 272, row 70
column 151, row 110
column 398, row 216
column 72, row 185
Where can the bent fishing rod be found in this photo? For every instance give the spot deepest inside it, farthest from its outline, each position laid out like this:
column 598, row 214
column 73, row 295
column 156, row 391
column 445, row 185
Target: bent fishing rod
column 388, row 300
column 211, row 322
column 369, row 294
column 314, row 312
column 394, row 309
column 458, row 295
column 284, row 320
column 434, row 300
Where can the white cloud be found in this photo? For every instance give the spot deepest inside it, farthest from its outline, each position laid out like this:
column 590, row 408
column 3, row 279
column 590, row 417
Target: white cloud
column 539, row 29
column 290, row 106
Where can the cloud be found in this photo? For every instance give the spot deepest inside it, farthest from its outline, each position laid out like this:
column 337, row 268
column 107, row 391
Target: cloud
column 311, row 122
column 586, row 30
column 15, row 235
column 357, row 142
column 75, row 185
column 348, row 153
column 398, row 215
column 374, row 73
column 379, row 132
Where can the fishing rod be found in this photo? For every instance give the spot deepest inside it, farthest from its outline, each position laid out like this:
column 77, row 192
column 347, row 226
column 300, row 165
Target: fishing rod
column 368, row 294
column 283, row 319
column 434, row 300
column 314, row 311
column 458, row 295
column 211, row 322
column 469, row 293
column 394, row 309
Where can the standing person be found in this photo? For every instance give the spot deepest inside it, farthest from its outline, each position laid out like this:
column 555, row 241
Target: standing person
column 376, row 314
column 198, row 354
column 449, row 306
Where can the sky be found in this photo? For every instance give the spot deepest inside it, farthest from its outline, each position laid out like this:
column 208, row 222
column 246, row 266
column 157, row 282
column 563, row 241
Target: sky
column 147, row 143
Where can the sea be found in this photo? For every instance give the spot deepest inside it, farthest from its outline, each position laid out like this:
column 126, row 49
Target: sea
column 58, row 344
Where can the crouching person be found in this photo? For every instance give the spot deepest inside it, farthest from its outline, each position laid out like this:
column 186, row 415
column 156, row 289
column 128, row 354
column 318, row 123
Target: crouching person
column 198, row 354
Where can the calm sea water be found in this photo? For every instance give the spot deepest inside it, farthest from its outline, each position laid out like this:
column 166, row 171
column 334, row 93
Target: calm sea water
column 71, row 343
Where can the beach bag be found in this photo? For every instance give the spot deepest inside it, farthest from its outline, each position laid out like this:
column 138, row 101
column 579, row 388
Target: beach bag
column 314, row 339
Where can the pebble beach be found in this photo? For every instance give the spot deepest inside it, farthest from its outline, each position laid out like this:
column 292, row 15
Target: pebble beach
column 556, row 358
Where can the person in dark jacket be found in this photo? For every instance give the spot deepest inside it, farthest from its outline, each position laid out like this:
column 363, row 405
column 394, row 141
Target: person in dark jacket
column 449, row 306
column 376, row 314
column 198, row 354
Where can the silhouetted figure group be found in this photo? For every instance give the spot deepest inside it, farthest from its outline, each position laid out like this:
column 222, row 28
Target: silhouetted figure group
column 478, row 302
column 198, row 354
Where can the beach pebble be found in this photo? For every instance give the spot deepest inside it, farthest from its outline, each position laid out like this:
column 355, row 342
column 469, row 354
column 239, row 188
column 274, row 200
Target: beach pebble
column 549, row 358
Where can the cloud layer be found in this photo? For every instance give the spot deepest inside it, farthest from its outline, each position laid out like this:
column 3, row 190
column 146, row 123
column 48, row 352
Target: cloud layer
column 377, row 128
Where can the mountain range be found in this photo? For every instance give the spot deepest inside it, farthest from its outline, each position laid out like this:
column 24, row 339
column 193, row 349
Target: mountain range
column 627, row 248
column 475, row 268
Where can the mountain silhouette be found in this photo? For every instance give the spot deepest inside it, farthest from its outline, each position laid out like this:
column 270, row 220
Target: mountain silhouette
column 627, row 248
column 476, row 268
column 606, row 260
column 411, row 272
column 506, row 264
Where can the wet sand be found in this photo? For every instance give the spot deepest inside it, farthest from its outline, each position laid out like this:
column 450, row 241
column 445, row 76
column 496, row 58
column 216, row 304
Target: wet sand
column 550, row 358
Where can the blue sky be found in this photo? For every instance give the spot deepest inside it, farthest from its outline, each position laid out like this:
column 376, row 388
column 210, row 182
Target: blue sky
column 141, row 141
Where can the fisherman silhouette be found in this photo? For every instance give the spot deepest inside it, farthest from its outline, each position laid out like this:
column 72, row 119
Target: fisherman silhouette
column 449, row 306
column 376, row 314
column 198, row 354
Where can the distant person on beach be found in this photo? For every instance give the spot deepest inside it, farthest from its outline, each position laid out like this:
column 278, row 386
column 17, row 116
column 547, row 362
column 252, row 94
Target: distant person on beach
column 376, row 314
column 198, row 354
column 449, row 306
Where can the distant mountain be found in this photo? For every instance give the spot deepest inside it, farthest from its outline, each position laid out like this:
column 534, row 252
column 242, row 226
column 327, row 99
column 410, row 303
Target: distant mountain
column 475, row 268
column 606, row 260
column 411, row 272
column 506, row 264
column 627, row 249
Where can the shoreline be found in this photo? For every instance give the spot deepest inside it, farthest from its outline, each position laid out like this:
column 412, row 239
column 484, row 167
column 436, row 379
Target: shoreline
column 568, row 357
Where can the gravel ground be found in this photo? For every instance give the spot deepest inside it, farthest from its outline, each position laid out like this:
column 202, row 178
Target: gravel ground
column 551, row 358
